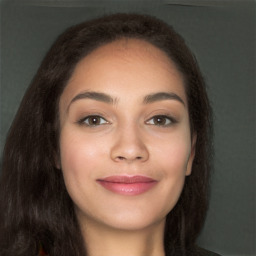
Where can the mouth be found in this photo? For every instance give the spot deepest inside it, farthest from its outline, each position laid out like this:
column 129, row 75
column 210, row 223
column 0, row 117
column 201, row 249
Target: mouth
column 127, row 185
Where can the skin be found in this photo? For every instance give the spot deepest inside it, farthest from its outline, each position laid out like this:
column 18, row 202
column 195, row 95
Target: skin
column 126, row 140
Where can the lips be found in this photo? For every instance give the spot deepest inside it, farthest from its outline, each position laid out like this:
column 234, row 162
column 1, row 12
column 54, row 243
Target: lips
column 127, row 185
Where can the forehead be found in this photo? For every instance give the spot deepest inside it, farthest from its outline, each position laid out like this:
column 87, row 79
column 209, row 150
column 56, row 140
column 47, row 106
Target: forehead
column 125, row 65
column 128, row 47
column 130, row 50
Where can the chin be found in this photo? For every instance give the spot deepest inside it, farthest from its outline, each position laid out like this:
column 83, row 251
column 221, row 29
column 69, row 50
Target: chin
column 135, row 223
column 131, row 219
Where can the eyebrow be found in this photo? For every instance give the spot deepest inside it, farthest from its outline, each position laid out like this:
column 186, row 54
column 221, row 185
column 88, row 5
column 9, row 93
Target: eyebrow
column 98, row 96
column 102, row 97
column 151, row 98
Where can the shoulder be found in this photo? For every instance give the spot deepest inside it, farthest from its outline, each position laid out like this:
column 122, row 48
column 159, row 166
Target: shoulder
column 203, row 252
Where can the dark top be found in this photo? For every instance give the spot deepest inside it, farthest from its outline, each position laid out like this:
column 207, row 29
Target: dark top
column 201, row 251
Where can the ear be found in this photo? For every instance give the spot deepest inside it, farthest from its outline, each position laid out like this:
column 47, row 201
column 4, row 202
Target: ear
column 192, row 155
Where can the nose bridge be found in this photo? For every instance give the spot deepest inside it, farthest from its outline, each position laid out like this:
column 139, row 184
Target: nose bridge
column 129, row 144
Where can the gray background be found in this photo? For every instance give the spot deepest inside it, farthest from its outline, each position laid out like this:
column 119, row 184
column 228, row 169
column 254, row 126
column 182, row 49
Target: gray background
column 221, row 34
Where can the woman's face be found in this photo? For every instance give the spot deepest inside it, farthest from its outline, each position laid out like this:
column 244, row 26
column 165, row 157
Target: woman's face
column 125, row 143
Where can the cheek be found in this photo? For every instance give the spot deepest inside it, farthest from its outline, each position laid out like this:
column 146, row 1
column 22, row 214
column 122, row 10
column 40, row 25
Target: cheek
column 172, row 159
column 80, row 165
column 174, row 165
column 173, row 154
column 79, row 152
column 79, row 157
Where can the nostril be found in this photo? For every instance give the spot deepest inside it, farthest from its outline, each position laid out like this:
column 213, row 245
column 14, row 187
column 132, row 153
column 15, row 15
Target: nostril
column 123, row 158
column 120, row 157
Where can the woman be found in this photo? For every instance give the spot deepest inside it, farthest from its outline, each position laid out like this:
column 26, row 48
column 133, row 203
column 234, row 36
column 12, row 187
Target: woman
column 109, row 153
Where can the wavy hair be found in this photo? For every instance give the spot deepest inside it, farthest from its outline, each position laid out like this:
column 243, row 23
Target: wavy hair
column 35, row 207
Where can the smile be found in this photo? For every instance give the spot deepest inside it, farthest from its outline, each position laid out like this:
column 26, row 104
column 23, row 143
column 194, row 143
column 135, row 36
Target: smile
column 127, row 185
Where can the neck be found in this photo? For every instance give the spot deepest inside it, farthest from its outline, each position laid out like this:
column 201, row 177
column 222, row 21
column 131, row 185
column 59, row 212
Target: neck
column 102, row 240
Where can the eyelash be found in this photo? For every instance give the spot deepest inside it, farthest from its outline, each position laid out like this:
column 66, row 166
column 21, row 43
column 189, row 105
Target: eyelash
column 166, row 118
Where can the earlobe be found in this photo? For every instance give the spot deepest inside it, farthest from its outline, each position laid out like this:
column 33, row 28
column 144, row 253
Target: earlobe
column 192, row 155
column 57, row 161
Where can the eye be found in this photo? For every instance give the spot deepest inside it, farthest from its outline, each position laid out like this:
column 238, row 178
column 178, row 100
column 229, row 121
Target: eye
column 161, row 120
column 93, row 120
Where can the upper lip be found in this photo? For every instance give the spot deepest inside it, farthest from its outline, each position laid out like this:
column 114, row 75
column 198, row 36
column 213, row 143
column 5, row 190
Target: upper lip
column 127, row 179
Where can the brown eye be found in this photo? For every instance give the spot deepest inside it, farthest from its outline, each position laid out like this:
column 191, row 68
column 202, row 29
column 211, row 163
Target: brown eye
column 93, row 120
column 161, row 120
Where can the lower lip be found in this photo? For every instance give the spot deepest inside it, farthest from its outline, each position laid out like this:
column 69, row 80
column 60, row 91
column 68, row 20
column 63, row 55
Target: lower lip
column 131, row 189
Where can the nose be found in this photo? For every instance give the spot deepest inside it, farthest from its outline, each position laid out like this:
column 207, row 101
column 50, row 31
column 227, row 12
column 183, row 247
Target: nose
column 129, row 146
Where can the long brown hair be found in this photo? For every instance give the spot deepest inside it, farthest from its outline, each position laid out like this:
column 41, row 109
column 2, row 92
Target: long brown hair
column 35, row 206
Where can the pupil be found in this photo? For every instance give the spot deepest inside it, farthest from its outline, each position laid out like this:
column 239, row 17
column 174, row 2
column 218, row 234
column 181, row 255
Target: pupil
column 94, row 120
column 159, row 120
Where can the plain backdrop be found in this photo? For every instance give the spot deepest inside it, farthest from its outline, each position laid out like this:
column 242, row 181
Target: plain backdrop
column 222, row 36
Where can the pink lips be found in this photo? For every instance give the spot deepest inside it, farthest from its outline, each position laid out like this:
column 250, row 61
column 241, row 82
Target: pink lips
column 127, row 185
